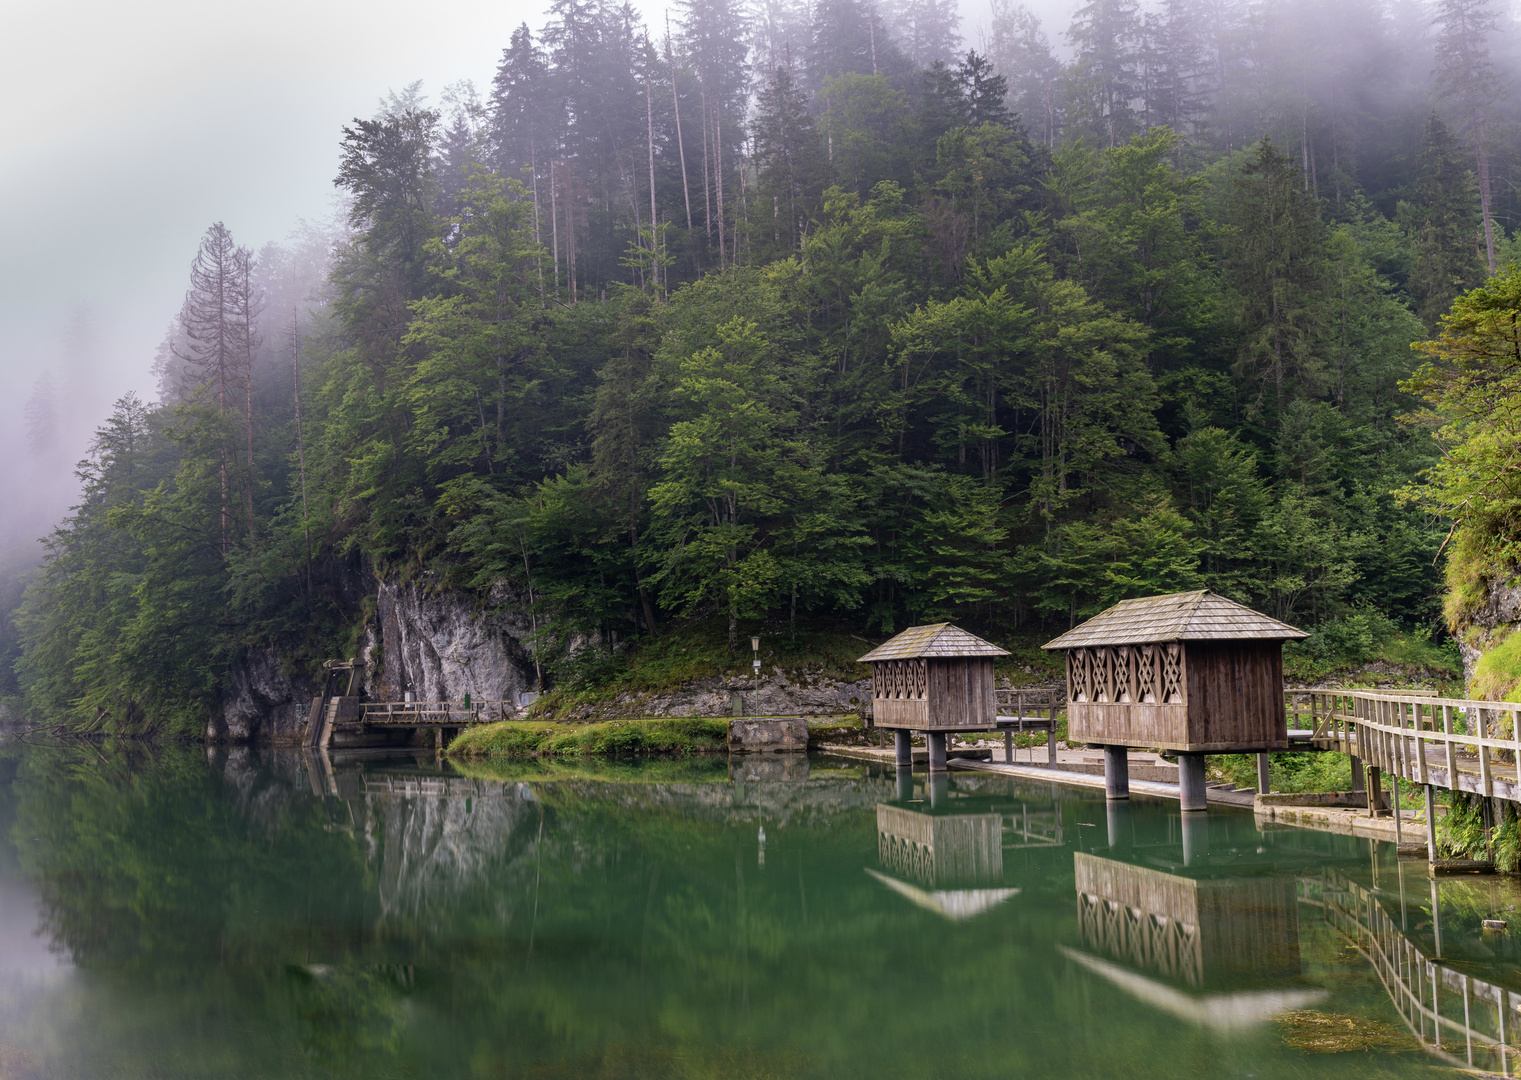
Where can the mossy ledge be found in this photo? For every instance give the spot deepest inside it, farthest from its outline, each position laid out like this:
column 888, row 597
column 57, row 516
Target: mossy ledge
column 610, row 738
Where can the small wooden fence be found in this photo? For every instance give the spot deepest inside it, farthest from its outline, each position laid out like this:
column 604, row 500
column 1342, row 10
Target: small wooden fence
column 435, row 713
column 1029, row 705
column 1423, row 739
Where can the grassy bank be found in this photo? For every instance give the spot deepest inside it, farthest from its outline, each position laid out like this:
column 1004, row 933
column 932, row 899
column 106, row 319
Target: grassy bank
column 611, row 738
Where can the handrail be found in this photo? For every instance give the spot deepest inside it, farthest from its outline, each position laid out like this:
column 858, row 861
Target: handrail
column 1400, row 734
column 442, row 713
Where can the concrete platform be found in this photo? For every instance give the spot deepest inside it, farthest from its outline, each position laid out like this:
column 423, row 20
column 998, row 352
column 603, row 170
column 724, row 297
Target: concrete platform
column 1222, row 796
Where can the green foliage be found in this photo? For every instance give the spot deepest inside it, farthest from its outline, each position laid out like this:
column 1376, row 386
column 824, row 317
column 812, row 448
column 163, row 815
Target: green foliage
column 528, row 738
column 935, row 373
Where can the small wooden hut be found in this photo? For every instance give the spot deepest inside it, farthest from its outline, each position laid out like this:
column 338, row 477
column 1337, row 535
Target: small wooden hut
column 934, row 678
column 1191, row 672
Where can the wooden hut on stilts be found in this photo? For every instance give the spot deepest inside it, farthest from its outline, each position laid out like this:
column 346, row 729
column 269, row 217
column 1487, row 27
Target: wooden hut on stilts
column 936, row 679
column 1189, row 672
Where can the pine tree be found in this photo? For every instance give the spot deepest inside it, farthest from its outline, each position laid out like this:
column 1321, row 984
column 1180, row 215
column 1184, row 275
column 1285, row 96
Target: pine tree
column 1021, row 53
column 924, row 30
column 790, row 161
column 1103, row 80
column 984, row 91
column 1445, row 226
column 1466, row 77
column 215, row 336
column 1278, row 261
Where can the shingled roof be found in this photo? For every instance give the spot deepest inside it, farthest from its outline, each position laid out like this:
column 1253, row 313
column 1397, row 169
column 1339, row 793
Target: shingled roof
column 935, row 640
column 1185, row 616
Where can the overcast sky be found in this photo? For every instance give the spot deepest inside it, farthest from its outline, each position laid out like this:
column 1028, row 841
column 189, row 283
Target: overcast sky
column 132, row 127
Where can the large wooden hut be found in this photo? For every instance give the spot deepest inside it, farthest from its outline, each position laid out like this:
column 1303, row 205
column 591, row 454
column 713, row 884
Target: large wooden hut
column 935, row 679
column 1190, row 672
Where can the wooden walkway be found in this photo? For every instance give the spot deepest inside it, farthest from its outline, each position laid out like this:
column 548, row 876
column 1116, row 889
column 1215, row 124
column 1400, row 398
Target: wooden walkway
column 1449, row 743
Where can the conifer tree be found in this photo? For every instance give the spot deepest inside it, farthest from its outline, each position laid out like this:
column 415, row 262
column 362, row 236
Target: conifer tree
column 1021, row 53
column 1466, row 77
column 215, row 331
column 1102, row 82
column 1445, row 226
column 790, row 160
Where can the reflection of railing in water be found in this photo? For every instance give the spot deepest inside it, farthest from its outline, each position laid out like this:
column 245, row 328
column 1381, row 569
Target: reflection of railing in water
column 1415, row 983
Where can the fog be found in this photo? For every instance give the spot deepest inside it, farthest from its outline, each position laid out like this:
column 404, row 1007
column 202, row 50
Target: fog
column 133, row 128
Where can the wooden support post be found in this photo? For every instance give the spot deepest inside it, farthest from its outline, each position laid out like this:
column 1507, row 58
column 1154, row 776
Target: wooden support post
column 1191, row 789
column 1051, row 743
column 1431, row 843
column 438, row 738
column 935, row 740
column 1394, row 782
column 1116, row 772
column 1264, row 784
column 1375, row 791
column 1008, row 747
column 1357, row 773
column 903, row 748
column 1436, row 930
column 1452, row 748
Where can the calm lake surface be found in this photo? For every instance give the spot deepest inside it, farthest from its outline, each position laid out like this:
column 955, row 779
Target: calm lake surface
column 169, row 912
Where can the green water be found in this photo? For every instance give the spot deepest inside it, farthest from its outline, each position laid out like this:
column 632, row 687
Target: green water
column 165, row 912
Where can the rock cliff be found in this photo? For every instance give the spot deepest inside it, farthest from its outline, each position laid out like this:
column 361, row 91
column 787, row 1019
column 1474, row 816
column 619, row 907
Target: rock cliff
column 1487, row 637
column 437, row 644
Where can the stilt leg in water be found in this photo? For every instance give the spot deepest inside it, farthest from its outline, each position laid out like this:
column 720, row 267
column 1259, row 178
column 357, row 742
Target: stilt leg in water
column 1191, row 790
column 1117, row 772
column 903, row 747
column 1264, row 785
column 1195, row 838
column 936, row 742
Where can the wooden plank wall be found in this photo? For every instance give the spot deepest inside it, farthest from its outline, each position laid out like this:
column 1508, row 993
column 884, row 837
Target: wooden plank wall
column 961, row 693
column 1128, row 724
column 1235, row 694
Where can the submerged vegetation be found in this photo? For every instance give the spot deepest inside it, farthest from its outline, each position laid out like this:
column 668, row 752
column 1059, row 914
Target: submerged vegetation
column 821, row 323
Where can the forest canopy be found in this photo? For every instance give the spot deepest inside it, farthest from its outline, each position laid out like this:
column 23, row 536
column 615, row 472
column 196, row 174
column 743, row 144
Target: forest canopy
column 808, row 313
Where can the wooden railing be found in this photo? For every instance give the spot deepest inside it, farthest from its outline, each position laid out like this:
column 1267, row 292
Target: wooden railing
column 435, row 713
column 1037, row 704
column 1418, row 737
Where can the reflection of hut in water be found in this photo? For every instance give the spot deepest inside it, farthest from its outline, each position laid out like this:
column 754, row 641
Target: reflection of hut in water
column 1220, row 953
column 1232, row 932
column 1223, row 954
column 940, row 849
column 937, row 850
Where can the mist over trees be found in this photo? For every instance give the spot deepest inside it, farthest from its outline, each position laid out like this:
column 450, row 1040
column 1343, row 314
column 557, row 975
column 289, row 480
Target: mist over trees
column 814, row 314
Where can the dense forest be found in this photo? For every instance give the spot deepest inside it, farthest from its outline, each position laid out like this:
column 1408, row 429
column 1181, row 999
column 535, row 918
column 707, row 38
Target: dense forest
column 816, row 314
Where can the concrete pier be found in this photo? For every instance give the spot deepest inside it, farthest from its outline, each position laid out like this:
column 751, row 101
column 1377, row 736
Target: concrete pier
column 1191, row 789
column 935, row 740
column 1116, row 772
column 903, row 747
